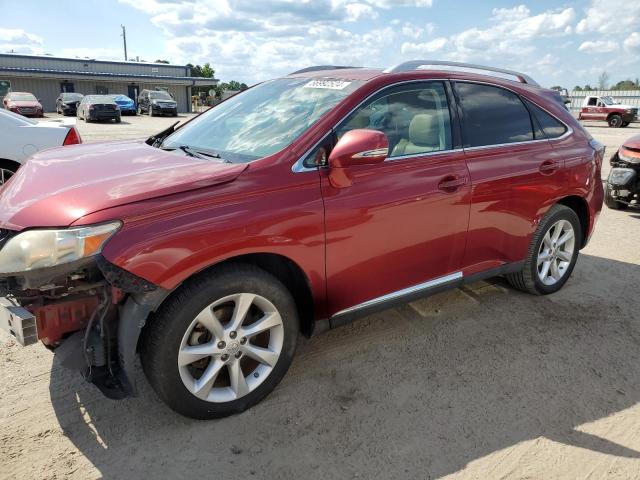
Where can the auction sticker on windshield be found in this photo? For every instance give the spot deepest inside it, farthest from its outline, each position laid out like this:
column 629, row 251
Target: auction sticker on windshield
column 330, row 84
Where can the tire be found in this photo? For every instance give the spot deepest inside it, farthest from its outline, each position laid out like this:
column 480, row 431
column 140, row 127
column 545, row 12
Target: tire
column 625, row 124
column 615, row 121
column 139, row 110
column 611, row 202
column 175, row 327
column 529, row 279
column 118, row 119
column 150, row 111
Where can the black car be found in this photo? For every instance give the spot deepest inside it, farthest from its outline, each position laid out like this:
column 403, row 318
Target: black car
column 98, row 107
column 67, row 103
column 157, row 102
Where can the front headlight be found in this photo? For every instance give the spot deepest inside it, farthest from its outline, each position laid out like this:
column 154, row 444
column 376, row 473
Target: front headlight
column 35, row 249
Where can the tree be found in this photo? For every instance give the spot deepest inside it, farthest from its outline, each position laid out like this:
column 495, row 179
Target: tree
column 557, row 88
column 207, row 71
column 625, row 85
column 162, row 61
column 603, row 81
column 577, row 88
column 588, row 87
column 234, row 85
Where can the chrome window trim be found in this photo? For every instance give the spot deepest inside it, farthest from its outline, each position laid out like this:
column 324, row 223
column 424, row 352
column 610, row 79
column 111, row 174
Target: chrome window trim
column 401, row 293
column 299, row 167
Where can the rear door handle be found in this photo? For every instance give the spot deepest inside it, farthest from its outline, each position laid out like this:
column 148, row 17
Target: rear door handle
column 451, row 183
column 548, row 167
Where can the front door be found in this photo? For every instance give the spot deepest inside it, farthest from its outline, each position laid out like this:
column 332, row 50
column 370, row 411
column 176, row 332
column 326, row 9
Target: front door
column 132, row 93
column 402, row 223
column 67, row 87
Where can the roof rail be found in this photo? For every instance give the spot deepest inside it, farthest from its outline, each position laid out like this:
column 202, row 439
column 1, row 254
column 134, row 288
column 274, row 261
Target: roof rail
column 317, row 68
column 421, row 64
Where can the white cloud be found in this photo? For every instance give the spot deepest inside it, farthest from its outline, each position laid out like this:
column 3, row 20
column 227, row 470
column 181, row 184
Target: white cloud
column 19, row 41
column 610, row 16
column 632, row 43
column 419, row 49
column 599, row 46
column 417, row 31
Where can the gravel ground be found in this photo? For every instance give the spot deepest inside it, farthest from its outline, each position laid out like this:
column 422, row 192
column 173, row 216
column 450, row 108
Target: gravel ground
column 476, row 383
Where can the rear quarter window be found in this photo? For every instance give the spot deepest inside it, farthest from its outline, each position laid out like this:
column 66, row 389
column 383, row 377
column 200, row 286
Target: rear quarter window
column 551, row 126
column 492, row 116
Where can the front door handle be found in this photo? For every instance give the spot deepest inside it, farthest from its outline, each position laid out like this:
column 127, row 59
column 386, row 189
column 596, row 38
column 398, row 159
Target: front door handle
column 451, row 183
column 548, row 167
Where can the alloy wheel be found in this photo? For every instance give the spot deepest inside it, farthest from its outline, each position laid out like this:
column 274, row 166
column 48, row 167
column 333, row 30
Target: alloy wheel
column 231, row 347
column 5, row 174
column 556, row 252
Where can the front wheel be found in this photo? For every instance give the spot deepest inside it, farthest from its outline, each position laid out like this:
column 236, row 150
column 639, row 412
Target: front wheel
column 7, row 169
column 552, row 254
column 625, row 124
column 222, row 342
column 615, row 121
column 611, row 202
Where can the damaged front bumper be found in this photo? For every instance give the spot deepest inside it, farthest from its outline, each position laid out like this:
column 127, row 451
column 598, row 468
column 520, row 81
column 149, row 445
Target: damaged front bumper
column 90, row 312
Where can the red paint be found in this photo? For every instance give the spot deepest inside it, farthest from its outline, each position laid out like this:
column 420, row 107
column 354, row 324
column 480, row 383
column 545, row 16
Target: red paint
column 56, row 319
column 399, row 223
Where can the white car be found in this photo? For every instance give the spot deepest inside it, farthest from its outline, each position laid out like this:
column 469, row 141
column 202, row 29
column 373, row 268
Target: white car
column 21, row 137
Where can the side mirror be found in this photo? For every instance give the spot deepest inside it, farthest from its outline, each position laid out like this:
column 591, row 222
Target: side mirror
column 356, row 147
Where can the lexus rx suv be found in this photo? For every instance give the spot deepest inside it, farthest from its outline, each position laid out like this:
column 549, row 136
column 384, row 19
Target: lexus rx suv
column 157, row 102
column 295, row 206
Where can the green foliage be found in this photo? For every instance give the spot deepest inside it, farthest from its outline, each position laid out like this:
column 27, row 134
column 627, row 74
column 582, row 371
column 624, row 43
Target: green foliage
column 162, row 61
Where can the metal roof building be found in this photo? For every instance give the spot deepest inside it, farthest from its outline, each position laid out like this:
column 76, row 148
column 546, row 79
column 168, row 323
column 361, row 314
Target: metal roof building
column 47, row 76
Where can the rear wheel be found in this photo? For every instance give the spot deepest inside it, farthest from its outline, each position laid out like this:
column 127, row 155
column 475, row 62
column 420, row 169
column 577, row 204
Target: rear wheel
column 222, row 342
column 611, row 202
column 552, row 254
column 118, row 119
column 615, row 121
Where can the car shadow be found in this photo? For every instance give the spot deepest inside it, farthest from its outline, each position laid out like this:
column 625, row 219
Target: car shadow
column 420, row 391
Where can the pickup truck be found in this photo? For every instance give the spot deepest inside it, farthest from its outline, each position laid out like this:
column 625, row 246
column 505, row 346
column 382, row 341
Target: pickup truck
column 607, row 109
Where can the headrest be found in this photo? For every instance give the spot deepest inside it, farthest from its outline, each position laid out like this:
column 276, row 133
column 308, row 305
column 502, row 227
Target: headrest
column 424, row 130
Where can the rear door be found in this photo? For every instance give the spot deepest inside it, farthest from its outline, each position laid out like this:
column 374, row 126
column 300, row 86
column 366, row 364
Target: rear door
column 514, row 174
column 402, row 224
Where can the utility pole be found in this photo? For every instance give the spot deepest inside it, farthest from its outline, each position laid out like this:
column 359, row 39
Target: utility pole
column 124, row 38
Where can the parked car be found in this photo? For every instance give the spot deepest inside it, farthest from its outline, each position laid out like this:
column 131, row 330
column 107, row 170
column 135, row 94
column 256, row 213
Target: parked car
column 98, row 107
column 127, row 106
column 297, row 205
column 607, row 109
column 67, row 103
column 23, row 103
column 623, row 183
column 21, row 137
column 157, row 102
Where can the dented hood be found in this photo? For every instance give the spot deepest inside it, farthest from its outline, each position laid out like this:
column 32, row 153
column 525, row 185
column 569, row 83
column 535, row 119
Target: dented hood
column 58, row 186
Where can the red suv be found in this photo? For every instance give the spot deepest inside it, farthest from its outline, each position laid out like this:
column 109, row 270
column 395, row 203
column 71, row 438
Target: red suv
column 295, row 206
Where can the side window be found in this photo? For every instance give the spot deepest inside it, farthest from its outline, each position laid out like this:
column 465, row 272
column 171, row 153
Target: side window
column 552, row 127
column 415, row 118
column 492, row 116
column 319, row 155
column 593, row 101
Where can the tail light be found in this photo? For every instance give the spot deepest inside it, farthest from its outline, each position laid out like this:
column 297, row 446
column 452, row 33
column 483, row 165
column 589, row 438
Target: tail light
column 72, row 138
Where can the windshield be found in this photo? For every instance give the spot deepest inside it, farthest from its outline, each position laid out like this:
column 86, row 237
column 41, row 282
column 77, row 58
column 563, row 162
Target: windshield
column 262, row 120
column 121, row 98
column 22, row 97
column 160, row 96
column 608, row 101
column 72, row 97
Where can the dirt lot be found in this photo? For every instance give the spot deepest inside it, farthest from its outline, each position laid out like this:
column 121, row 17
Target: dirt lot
column 482, row 382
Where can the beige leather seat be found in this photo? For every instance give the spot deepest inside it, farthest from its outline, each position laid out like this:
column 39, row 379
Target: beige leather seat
column 424, row 136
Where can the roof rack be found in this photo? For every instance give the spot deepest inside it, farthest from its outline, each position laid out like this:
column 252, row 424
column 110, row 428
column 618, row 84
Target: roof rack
column 317, row 68
column 422, row 64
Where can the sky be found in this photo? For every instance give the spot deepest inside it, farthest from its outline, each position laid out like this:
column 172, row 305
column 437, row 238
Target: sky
column 557, row 43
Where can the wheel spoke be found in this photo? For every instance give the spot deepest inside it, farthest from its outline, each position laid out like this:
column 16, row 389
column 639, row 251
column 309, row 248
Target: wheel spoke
column 203, row 385
column 209, row 320
column 557, row 231
column 555, row 272
column 543, row 257
column 568, row 235
column 545, row 269
column 564, row 256
column 238, row 382
column 547, row 240
column 259, row 354
column 270, row 320
column 243, row 303
column 193, row 353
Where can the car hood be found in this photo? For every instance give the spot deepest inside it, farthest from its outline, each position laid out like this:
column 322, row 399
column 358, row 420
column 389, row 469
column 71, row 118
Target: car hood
column 58, row 186
column 633, row 142
column 24, row 103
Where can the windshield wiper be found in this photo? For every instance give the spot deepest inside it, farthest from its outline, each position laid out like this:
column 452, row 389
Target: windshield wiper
column 156, row 140
column 198, row 153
